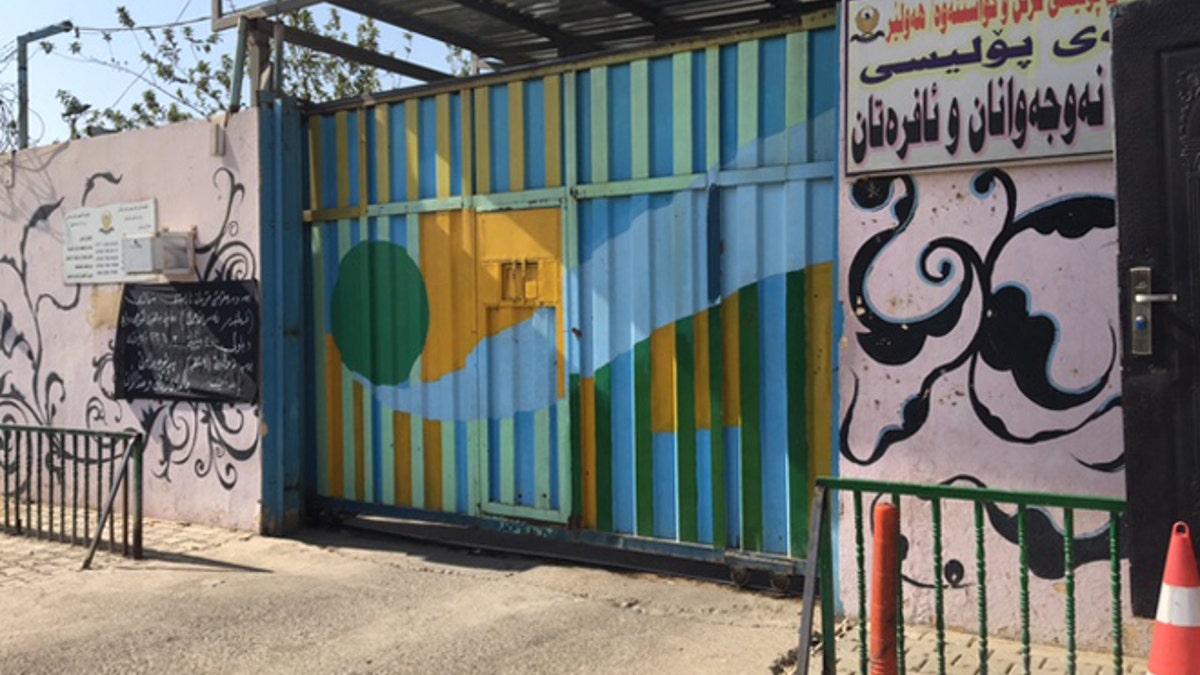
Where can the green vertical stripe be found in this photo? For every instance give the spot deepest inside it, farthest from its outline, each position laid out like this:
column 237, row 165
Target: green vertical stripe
column 604, row 468
column 682, row 90
column 685, row 376
column 508, row 462
column 417, row 430
column 576, row 452
column 541, row 458
column 644, row 439
column 748, row 361
column 384, row 278
column 796, row 93
column 450, row 466
column 562, row 413
column 716, row 367
column 712, row 106
column 798, row 451
column 747, row 92
column 600, row 123
column 639, row 105
column 322, row 401
column 476, row 432
column 348, row 441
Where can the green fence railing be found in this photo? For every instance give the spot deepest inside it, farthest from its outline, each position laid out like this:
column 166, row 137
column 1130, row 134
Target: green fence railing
column 64, row 485
column 821, row 553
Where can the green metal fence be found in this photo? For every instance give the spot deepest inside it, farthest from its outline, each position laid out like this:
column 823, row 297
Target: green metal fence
column 64, row 485
column 822, row 553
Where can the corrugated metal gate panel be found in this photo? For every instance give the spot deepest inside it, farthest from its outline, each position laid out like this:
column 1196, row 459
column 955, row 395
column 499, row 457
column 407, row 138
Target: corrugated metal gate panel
column 646, row 342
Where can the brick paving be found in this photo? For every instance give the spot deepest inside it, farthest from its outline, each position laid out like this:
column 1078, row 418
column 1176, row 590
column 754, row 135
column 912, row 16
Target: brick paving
column 962, row 655
column 25, row 559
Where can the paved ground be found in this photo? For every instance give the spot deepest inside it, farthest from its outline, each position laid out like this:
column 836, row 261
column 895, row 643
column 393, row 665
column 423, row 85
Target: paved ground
column 208, row 600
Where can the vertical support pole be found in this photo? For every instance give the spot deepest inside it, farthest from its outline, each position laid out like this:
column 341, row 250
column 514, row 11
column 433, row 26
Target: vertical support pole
column 259, row 62
column 1114, row 563
column 239, row 64
column 22, row 94
column 138, row 446
column 828, row 604
column 277, row 58
column 811, row 562
column 885, row 577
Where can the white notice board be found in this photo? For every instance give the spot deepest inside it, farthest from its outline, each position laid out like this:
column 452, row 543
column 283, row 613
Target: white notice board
column 92, row 246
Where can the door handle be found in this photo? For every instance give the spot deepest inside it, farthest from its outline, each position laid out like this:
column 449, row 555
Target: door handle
column 1144, row 298
column 1141, row 342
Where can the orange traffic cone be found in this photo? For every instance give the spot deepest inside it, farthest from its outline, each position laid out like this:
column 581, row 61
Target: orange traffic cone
column 1175, row 649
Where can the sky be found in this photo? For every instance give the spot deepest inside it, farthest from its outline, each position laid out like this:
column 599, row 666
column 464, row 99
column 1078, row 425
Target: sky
column 103, row 86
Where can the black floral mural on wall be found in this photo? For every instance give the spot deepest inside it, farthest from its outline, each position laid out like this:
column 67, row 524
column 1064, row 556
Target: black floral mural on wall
column 212, row 438
column 1009, row 338
column 1006, row 336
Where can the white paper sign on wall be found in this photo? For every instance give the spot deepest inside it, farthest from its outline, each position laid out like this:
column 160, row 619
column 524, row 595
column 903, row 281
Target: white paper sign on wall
column 92, row 246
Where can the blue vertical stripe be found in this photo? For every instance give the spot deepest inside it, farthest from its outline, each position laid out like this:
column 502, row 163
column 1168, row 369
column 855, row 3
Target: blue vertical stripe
column 704, row 484
column 535, row 134
column 498, row 125
column 524, row 442
column 583, row 116
column 427, row 130
column 699, row 112
column 398, row 154
column 772, row 106
column 733, row 486
column 729, row 104
column 620, row 131
column 666, row 486
column 456, row 145
column 772, row 298
column 329, row 250
column 823, row 93
column 352, row 147
column 329, row 177
column 662, row 117
column 372, row 156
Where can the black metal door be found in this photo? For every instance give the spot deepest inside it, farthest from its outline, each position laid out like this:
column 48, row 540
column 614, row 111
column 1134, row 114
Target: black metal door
column 1156, row 78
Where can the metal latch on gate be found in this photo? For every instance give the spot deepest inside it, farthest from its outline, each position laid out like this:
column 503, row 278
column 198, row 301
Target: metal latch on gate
column 1142, row 299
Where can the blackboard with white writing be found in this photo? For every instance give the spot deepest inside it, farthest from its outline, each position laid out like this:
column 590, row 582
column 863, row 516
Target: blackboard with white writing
column 194, row 342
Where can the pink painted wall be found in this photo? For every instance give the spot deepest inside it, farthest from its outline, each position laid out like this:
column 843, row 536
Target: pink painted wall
column 981, row 347
column 202, row 462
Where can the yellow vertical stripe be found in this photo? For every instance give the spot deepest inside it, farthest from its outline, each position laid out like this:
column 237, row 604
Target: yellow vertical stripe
column 468, row 148
column 662, row 380
column 412, row 146
column 587, row 433
column 516, row 135
column 433, row 465
column 703, row 373
column 315, row 165
column 360, row 477
column 333, row 402
column 553, row 90
column 342, row 135
column 483, row 142
column 361, row 132
column 731, row 334
column 383, row 152
column 442, row 102
column 818, row 324
column 402, row 432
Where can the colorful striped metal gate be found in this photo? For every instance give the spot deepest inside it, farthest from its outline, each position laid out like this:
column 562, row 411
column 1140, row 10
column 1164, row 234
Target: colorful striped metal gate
column 597, row 294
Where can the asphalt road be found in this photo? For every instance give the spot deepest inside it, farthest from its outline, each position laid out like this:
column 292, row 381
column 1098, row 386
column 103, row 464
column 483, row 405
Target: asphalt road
column 209, row 601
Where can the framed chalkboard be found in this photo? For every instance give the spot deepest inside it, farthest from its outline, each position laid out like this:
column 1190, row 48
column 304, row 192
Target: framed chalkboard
column 194, row 342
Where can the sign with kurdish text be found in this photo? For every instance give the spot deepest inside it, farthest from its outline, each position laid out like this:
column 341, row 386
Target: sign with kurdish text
column 92, row 245
column 932, row 83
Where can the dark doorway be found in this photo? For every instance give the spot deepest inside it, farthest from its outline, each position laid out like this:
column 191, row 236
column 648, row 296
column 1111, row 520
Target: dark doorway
column 1156, row 77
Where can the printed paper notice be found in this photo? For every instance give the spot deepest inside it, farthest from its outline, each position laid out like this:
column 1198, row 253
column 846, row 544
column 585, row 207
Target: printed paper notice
column 92, row 246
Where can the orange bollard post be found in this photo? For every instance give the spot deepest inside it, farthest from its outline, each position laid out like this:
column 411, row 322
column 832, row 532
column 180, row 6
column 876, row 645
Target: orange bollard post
column 1175, row 649
column 885, row 590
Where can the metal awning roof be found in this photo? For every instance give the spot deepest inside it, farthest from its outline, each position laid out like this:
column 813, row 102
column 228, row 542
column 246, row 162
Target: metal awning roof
column 520, row 32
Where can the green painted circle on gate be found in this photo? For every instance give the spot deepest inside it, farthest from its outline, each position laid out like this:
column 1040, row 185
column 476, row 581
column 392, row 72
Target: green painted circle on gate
column 380, row 312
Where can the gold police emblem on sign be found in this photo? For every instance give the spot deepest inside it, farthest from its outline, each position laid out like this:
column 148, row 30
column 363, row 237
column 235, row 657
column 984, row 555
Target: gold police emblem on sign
column 867, row 23
column 106, row 219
